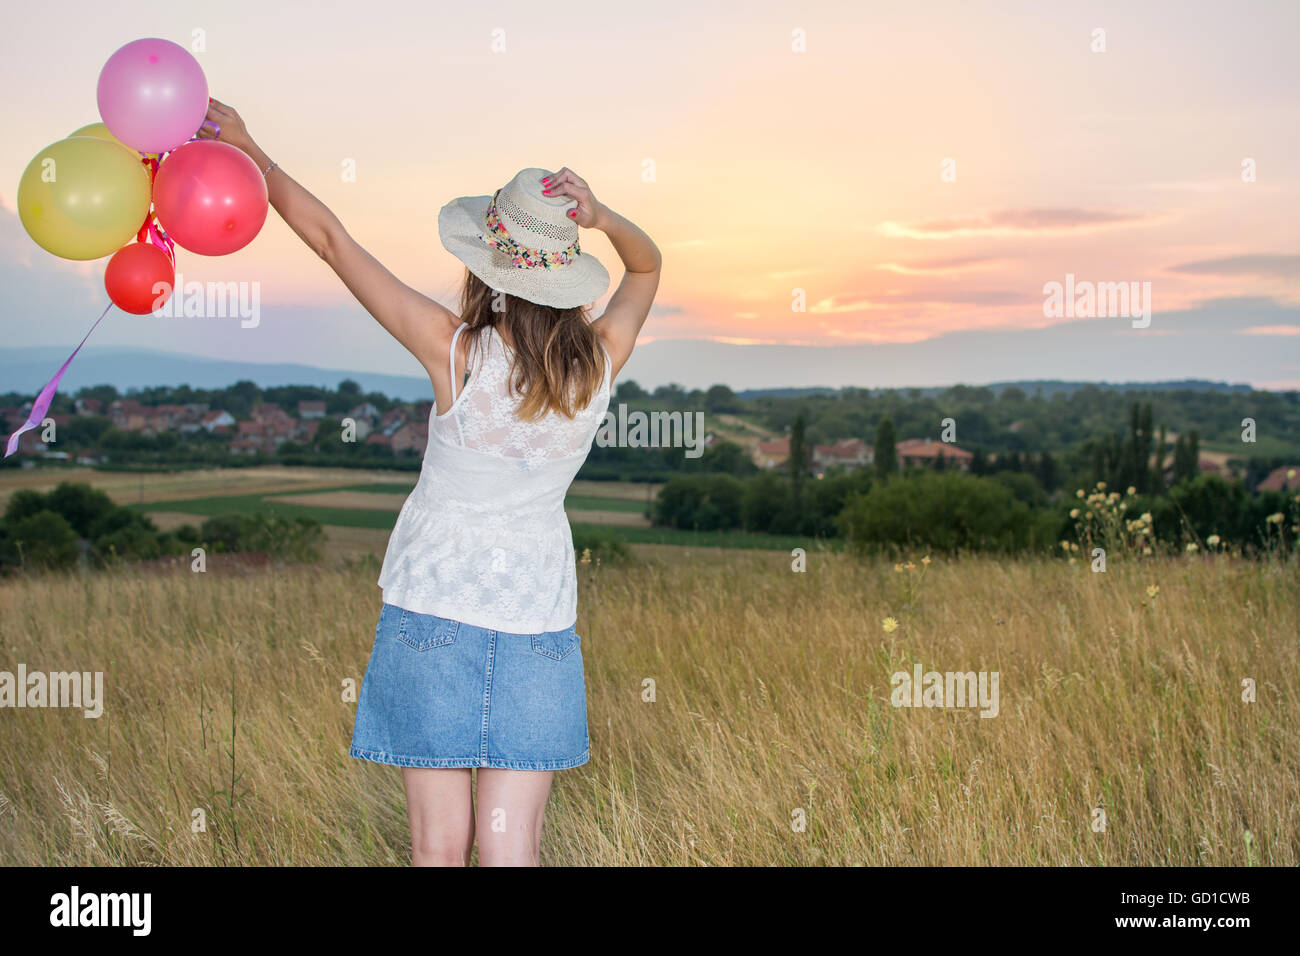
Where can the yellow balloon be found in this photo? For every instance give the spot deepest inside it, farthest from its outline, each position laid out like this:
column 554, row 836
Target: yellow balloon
column 98, row 131
column 101, row 131
column 83, row 198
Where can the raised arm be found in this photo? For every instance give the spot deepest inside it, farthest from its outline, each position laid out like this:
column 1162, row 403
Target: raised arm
column 621, row 322
column 422, row 325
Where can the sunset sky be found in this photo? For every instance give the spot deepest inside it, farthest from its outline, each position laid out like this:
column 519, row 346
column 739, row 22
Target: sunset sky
column 774, row 170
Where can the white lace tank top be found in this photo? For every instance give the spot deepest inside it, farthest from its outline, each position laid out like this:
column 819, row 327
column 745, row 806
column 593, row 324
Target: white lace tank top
column 483, row 537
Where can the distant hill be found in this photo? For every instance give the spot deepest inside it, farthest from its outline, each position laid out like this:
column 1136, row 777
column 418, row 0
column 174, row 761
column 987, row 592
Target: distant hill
column 27, row 370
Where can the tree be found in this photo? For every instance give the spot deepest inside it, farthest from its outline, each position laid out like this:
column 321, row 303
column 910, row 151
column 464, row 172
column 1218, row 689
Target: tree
column 1142, row 462
column 1048, row 475
column 798, row 454
column 1187, row 452
column 629, row 391
column 884, row 451
column 720, row 398
column 1158, row 469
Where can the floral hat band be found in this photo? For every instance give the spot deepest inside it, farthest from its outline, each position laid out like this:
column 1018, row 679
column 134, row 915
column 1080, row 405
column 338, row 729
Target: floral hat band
column 521, row 241
column 521, row 256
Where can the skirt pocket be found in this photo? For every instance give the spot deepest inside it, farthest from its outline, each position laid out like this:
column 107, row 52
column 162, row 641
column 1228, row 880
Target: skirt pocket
column 424, row 632
column 557, row 645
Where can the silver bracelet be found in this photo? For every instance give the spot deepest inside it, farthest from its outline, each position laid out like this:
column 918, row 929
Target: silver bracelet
column 266, row 172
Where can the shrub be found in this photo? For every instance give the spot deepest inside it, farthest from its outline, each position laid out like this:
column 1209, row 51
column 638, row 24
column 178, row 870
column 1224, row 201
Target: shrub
column 600, row 546
column 700, row 502
column 44, row 540
column 944, row 511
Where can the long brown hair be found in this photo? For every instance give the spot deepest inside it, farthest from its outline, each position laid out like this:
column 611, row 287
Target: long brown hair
column 558, row 364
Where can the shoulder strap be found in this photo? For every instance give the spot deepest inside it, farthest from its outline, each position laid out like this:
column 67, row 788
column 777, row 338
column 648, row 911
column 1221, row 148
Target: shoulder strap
column 459, row 329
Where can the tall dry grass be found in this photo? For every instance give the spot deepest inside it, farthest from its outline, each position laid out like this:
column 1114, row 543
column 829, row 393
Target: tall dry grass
column 772, row 703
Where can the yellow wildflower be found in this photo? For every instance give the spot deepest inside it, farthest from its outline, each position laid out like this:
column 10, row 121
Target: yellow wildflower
column 890, row 625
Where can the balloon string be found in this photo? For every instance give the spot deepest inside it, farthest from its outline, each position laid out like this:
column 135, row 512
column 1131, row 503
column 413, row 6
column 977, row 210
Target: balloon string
column 42, row 403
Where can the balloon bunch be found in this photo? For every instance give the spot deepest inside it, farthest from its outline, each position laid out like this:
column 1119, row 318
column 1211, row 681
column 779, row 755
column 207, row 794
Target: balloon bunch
column 142, row 174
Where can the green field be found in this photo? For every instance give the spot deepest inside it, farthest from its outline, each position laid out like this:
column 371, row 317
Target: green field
column 162, row 494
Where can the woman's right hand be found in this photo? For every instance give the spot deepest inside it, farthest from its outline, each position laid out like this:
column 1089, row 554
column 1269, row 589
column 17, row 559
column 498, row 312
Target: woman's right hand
column 230, row 127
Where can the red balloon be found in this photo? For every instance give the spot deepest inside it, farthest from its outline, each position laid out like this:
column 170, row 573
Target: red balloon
column 139, row 278
column 210, row 197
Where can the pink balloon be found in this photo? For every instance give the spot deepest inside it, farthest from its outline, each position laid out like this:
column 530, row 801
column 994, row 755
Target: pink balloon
column 210, row 197
column 152, row 95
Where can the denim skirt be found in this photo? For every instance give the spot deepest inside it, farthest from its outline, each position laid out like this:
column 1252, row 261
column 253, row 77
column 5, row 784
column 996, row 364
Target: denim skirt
column 442, row 693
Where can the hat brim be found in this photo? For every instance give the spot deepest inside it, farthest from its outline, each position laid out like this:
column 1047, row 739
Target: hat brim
column 461, row 222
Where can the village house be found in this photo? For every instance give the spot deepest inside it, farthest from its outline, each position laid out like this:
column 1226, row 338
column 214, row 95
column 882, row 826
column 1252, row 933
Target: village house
column 311, row 409
column 269, row 412
column 772, row 454
column 13, row 415
column 250, row 445
column 216, row 422
column 394, row 418
column 1285, row 478
column 413, row 436
column 129, row 415
column 847, row 453
column 87, row 406
column 257, row 436
column 926, row 452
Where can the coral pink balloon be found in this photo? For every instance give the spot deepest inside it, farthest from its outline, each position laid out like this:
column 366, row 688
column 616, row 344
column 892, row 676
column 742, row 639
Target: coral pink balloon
column 210, row 197
column 139, row 278
column 152, row 95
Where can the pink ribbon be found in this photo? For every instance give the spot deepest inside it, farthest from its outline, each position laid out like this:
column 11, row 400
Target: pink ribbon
column 42, row 403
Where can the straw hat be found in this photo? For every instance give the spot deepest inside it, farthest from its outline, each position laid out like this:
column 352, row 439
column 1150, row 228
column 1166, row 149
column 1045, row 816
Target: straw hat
column 523, row 243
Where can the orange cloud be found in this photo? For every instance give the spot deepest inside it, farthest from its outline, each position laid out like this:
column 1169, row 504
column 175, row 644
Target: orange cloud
column 1011, row 222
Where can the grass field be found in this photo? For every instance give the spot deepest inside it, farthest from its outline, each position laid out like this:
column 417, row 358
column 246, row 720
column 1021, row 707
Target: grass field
column 729, row 699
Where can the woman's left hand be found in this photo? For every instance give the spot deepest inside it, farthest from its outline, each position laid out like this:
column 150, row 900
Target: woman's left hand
column 589, row 211
column 225, row 125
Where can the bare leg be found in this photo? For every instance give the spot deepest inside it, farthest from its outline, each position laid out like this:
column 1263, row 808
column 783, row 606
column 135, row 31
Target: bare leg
column 441, row 810
column 511, row 804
